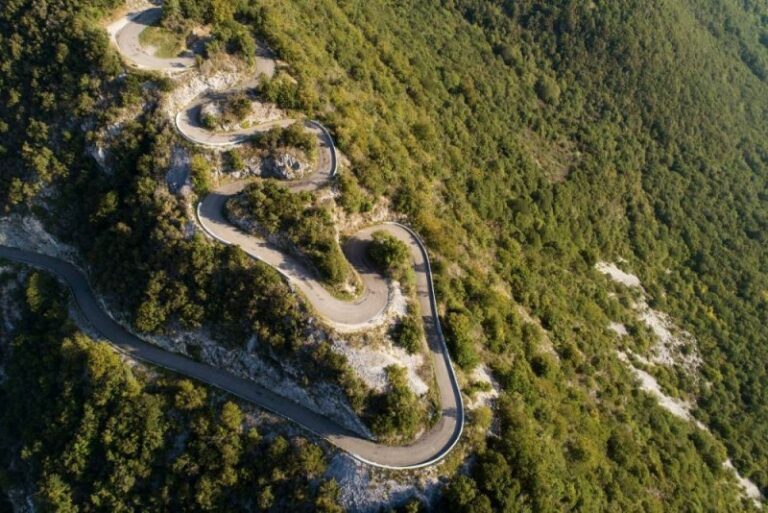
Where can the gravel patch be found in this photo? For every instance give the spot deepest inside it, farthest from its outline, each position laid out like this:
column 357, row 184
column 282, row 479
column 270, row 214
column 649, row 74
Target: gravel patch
column 480, row 374
column 618, row 328
column 367, row 490
column 370, row 363
column 674, row 345
column 617, row 275
column 677, row 407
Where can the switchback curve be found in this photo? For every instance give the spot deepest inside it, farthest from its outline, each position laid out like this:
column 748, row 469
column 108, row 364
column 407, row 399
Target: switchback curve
column 431, row 447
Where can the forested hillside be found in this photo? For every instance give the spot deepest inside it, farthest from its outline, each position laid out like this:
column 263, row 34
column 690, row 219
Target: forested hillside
column 556, row 134
column 525, row 140
column 96, row 435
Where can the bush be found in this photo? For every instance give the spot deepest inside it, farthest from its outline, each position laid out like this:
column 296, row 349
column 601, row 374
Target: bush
column 287, row 93
column 408, row 332
column 389, row 253
column 548, row 90
column 209, row 121
column 200, row 170
column 309, row 228
column 233, row 110
column 543, row 365
column 172, row 16
column 459, row 334
column 237, row 107
column 292, row 136
column 399, row 414
column 353, row 199
column 233, row 38
column 233, row 159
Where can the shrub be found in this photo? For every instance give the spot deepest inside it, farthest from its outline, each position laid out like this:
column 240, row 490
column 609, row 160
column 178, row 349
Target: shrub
column 200, row 170
column 548, row 90
column 287, row 93
column 234, row 38
column 310, row 228
column 398, row 411
column 234, row 160
column 209, row 121
column 543, row 365
column 460, row 340
column 353, row 199
column 293, row 136
column 408, row 332
column 237, row 107
column 388, row 252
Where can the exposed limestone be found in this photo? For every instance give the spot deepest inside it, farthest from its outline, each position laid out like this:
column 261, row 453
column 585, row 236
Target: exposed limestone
column 367, row 490
column 285, row 166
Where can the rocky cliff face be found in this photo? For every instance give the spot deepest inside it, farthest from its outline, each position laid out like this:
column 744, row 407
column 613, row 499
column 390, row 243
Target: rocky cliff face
column 285, row 165
column 270, row 371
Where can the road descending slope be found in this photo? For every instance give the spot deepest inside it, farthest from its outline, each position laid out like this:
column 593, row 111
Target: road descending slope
column 426, row 451
column 125, row 33
column 432, row 445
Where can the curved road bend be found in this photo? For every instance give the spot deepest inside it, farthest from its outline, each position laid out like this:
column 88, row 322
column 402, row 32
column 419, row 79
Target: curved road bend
column 189, row 126
column 127, row 40
column 433, row 445
column 126, row 36
column 428, row 449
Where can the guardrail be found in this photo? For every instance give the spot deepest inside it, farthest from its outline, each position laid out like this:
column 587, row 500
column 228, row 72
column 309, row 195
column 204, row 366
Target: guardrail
column 332, row 146
column 455, row 388
column 446, row 358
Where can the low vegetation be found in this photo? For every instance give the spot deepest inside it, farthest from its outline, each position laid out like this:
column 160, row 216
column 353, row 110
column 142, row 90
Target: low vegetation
column 525, row 141
column 389, row 253
column 279, row 139
column 286, row 92
column 408, row 331
column 268, row 209
column 165, row 43
column 353, row 198
column 227, row 34
column 201, row 174
column 92, row 433
column 397, row 414
column 232, row 111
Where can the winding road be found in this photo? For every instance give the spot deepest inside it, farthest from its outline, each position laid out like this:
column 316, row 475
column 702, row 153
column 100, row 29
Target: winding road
column 125, row 34
column 431, row 446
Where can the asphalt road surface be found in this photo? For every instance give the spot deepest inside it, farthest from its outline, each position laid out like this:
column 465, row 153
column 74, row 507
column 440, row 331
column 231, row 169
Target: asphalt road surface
column 127, row 40
column 433, row 445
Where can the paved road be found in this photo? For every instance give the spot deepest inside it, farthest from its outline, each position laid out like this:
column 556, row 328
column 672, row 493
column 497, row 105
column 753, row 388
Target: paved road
column 189, row 126
column 426, row 451
column 431, row 446
column 126, row 32
column 363, row 311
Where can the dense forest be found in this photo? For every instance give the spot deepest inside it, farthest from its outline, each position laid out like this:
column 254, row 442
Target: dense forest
column 96, row 435
column 525, row 140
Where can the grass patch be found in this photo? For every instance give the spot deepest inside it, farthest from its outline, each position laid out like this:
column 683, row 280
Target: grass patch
column 166, row 44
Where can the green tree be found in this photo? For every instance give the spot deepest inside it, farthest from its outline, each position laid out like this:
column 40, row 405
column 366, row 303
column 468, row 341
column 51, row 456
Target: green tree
column 172, row 16
column 460, row 330
column 399, row 414
column 388, row 252
column 201, row 171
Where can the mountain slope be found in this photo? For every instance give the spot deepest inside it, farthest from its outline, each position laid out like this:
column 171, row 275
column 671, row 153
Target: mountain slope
column 525, row 140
